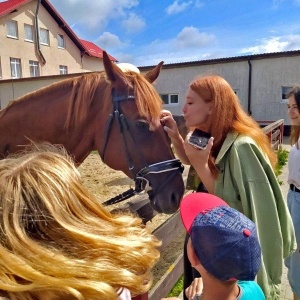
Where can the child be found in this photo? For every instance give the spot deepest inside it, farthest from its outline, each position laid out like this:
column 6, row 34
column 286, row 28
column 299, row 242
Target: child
column 223, row 247
column 58, row 241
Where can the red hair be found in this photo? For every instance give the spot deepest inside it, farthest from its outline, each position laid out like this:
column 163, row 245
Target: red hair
column 230, row 116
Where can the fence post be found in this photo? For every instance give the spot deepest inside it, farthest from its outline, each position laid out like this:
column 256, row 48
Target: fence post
column 281, row 133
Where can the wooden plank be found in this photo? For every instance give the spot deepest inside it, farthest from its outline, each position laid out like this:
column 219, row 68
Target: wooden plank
column 166, row 283
column 272, row 126
column 275, row 145
column 276, row 135
column 169, row 230
column 274, row 131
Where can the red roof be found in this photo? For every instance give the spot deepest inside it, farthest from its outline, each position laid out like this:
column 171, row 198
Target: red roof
column 88, row 48
column 94, row 50
column 10, row 5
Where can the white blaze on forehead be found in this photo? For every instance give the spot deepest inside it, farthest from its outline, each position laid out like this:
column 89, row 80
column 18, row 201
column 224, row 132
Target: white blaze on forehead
column 126, row 67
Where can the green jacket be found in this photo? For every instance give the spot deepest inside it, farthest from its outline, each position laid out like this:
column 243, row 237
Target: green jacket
column 247, row 183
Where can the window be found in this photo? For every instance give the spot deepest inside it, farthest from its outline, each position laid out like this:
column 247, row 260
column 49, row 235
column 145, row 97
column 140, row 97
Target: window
column 284, row 91
column 170, row 98
column 28, row 29
column 15, row 66
column 63, row 70
column 44, row 36
column 61, row 41
column 12, row 29
column 34, row 68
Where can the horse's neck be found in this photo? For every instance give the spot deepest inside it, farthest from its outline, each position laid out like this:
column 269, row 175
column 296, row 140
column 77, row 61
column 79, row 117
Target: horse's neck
column 44, row 118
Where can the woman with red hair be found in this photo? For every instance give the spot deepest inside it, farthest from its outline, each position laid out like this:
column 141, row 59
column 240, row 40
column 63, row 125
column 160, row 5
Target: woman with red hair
column 237, row 166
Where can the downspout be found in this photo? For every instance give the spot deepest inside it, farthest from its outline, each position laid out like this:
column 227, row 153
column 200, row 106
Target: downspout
column 82, row 53
column 37, row 34
column 249, row 87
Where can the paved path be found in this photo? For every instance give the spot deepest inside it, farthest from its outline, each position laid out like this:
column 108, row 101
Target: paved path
column 286, row 292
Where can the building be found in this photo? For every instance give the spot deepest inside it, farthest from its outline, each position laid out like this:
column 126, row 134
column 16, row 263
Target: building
column 261, row 81
column 36, row 41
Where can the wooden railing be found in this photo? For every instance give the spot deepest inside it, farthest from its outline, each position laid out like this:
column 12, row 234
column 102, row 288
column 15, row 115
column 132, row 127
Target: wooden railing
column 274, row 130
column 170, row 230
column 167, row 232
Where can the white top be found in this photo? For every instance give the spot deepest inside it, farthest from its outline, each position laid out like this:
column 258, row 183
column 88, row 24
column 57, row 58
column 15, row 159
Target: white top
column 294, row 166
column 125, row 295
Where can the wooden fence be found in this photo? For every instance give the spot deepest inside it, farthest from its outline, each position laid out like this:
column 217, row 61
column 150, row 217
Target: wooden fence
column 167, row 232
column 274, row 130
column 171, row 228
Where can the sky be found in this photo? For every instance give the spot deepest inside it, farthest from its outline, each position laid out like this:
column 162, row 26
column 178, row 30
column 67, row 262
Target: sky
column 145, row 32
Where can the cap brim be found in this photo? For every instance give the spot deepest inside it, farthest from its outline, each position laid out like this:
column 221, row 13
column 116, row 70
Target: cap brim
column 197, row 203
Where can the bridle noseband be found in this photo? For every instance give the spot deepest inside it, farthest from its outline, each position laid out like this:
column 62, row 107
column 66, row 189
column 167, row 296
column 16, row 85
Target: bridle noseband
column 142, row 184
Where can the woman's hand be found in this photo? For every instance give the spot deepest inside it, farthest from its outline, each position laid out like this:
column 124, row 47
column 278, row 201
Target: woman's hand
column 194, row 289
column 169, row 124
column 171, row 128
column 198, row 157
column 199, row 160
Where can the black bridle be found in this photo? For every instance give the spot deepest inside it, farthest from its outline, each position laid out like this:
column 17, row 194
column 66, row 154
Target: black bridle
column 141, row 182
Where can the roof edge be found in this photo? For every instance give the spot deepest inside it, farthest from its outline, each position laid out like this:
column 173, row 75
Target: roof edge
column 225, row 60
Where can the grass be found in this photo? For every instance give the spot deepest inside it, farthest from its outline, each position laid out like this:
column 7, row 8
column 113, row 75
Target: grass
column 177, row 288
column 282, row 158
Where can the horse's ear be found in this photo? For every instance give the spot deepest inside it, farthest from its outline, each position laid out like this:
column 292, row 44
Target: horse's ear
column 113, row 72
column 153, row 74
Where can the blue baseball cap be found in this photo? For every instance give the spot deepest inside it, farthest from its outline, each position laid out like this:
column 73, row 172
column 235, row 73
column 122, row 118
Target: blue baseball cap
column 224, row 240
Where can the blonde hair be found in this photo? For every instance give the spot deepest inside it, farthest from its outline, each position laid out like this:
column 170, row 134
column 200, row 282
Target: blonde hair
column 226, row 108
column 57, row 240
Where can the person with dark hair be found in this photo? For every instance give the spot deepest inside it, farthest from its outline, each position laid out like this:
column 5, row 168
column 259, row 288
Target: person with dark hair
column 223, row 246
column 237, row 166
column 293, row 197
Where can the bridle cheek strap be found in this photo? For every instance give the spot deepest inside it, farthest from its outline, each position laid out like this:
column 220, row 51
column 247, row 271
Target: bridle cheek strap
column 142, row 184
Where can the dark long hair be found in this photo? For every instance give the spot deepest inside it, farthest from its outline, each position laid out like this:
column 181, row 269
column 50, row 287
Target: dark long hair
column 295, row 131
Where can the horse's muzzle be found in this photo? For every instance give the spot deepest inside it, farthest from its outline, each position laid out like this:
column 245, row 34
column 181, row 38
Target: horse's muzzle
column 142, row 184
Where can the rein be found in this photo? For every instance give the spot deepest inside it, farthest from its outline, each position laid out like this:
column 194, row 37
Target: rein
column 142, row 184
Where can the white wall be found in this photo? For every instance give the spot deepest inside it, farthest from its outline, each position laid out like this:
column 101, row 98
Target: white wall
column 268, row 76
column 15, row 88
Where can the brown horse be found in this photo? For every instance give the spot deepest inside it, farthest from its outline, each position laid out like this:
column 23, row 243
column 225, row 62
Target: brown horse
column 114, row 112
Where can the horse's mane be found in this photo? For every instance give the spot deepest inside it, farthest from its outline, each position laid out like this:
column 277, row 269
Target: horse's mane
column 148, row 101
column 82, row 95
column 83, row 89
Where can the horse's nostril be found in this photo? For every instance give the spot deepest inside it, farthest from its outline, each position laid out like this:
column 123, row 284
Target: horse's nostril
column 176, row 199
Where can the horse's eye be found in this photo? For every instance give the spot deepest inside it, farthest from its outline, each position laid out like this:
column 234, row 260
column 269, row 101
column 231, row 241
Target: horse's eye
column 142, row 124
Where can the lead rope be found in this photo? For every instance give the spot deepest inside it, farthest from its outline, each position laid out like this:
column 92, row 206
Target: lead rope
column 121, row 197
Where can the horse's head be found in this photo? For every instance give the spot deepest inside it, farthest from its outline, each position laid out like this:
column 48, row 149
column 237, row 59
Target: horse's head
column 136, row 137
